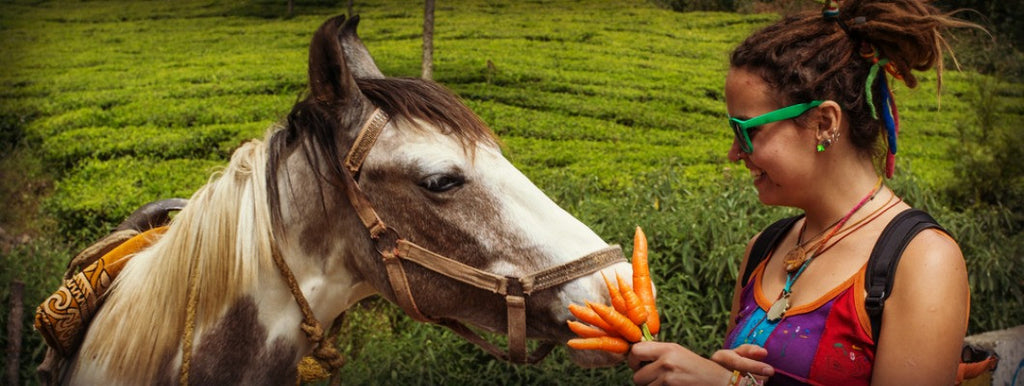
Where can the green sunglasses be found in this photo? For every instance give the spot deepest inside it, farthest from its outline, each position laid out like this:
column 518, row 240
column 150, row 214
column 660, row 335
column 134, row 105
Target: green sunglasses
column 742, row 127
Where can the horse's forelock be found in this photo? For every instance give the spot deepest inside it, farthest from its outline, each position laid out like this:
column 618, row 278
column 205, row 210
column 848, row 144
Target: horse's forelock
column 414, row 99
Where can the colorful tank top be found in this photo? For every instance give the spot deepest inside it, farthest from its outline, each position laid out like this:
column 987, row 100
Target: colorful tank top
column 826, row 342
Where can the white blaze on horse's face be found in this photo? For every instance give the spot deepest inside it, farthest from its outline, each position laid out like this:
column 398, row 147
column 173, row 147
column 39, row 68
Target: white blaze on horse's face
column 519, row 232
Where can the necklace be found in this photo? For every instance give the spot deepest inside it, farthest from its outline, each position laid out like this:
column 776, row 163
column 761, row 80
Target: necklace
column 798, row 255
column 778, row 309
column 871, row 217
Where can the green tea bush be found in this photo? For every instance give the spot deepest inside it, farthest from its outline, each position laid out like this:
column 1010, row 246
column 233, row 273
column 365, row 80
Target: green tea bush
column 82, row 202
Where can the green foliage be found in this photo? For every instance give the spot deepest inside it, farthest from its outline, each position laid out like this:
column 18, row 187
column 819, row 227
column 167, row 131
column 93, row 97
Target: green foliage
column 39, row 265
column 81, row 200
column 990, row 150
column 700, row 5
column 614, row 109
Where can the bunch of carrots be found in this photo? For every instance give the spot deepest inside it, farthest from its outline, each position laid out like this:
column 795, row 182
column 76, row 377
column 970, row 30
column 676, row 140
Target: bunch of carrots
column 632, row 317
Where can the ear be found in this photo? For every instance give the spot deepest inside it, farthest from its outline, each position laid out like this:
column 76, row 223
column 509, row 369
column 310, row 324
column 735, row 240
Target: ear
column 830, row 119
column 358, row 57
column 330, row 79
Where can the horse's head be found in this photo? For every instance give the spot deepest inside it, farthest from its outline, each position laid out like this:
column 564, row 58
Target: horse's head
column 435, row 175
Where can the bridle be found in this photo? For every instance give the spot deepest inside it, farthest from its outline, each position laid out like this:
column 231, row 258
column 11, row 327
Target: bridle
column 393, row 249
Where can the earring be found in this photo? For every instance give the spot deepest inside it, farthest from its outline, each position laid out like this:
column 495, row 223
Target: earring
column 828, row 141
column 824, row 144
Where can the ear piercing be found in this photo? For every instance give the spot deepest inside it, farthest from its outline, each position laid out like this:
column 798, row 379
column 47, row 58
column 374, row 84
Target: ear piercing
column 828, row 141
column 824, row 144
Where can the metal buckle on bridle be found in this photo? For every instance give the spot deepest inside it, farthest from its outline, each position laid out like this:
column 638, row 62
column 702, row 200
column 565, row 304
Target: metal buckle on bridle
column 386, row 241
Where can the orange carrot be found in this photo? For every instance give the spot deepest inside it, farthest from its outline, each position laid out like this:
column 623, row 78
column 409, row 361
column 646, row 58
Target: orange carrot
column 636, row 310
column 642, row 281
column 613, row 291
column 618, row 322
column 588, row 315
column 585, row 330
column 604, row 343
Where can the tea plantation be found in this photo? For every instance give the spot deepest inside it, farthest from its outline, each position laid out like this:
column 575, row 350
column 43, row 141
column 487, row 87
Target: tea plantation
column 615, row 109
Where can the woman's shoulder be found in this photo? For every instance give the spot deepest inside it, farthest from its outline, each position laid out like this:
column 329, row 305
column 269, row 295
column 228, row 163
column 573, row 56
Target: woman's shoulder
column 933, row 249
column 929, row 244
column 931, row 274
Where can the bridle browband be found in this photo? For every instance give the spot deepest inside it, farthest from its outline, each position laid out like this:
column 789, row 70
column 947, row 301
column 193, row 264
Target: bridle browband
column 393, row 249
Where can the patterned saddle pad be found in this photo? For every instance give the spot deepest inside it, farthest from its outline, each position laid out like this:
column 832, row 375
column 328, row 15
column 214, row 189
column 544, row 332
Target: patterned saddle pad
column 63, row 317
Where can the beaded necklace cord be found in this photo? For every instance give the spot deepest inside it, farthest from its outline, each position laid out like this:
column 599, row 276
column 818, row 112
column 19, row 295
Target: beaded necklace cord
column 871, row 217
column 779, row 307
column 864, row 221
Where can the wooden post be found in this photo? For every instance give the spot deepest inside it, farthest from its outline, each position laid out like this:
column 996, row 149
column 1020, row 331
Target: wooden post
column 14, row 331
column 428, row 40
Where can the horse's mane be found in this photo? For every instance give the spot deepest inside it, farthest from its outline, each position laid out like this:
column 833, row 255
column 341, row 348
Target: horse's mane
column 223, row 234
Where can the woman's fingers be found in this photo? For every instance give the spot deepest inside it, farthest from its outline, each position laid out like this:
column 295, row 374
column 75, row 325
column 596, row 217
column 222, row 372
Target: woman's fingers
column 745, row 358
column 669, row 363
column 642, row 353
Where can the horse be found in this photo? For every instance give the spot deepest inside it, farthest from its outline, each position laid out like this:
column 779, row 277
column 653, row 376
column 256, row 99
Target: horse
column 372, row 185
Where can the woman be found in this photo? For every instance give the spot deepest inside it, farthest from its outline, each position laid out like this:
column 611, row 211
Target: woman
column 815, row 123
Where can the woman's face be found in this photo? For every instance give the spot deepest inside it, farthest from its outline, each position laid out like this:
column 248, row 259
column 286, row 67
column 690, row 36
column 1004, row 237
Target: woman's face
column 782, row 161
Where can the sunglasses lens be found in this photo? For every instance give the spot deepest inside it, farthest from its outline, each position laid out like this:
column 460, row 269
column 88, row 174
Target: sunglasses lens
column 741, row 137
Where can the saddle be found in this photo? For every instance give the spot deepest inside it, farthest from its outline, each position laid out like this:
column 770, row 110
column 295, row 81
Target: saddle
column 63, row 318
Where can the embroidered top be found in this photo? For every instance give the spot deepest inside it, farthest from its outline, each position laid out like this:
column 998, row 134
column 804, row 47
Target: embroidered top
column 825, row 342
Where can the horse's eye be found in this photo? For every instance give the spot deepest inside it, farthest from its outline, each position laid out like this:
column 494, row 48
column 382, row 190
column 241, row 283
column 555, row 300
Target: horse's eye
column 439, row 183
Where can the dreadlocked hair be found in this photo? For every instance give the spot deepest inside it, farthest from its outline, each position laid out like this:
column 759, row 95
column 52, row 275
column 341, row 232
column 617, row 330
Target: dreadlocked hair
column 806, row 57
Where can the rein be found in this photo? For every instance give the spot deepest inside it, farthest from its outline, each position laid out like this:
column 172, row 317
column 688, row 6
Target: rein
column 393, row 249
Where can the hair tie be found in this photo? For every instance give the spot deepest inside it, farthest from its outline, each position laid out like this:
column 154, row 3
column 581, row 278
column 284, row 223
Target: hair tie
column 831, row 10
column 890, row 115
column 891, row 118
column 831, row 13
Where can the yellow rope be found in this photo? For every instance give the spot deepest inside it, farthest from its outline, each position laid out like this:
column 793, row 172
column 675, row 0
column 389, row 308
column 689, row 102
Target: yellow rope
column 190, row 323
column 324, row 352
column 320, row 365
column 311, row 371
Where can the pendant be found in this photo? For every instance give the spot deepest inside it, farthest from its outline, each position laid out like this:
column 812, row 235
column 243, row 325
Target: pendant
column 778, row 309
column 795, row 258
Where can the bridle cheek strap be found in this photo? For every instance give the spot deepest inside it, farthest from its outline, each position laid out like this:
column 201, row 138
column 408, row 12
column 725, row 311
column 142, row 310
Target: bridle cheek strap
column 393, row 249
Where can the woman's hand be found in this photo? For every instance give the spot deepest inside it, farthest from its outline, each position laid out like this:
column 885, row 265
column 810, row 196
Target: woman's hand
column 745, row 358
column 661, row 363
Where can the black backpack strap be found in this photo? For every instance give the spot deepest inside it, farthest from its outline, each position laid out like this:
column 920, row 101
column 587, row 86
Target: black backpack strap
column 764, row 244
column 881, row 270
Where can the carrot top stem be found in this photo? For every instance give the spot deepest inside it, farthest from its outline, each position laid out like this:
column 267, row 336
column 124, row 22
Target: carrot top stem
column 648, row 337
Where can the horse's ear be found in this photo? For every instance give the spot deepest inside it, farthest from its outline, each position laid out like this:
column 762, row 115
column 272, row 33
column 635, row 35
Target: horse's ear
column 329, row 76
column 358, row 57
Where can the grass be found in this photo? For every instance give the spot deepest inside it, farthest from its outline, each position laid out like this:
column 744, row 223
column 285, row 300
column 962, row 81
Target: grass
column 614, row 109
